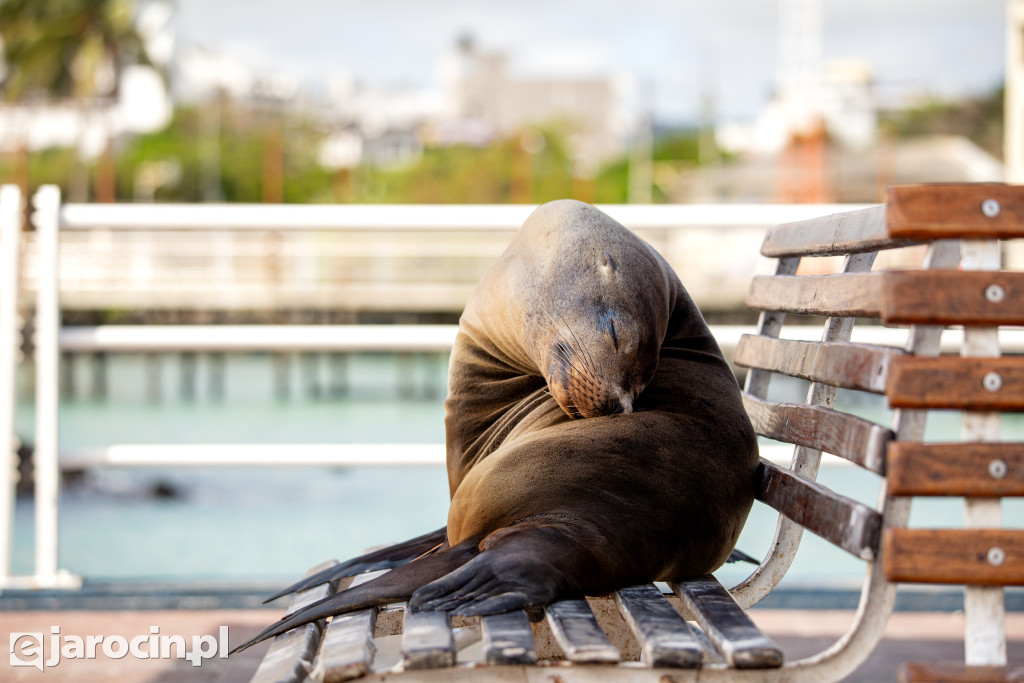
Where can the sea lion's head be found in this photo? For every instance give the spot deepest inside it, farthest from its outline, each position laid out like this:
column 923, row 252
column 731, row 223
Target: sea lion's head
column 607, row 329
column 598, row 363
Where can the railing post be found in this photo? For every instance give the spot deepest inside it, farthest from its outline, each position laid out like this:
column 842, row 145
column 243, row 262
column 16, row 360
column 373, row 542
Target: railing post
column 10, row 244
column 46, row 219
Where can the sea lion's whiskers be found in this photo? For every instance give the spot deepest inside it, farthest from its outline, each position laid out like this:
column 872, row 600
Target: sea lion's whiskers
column 581, row 351
column 588, row 359
column 580, row 375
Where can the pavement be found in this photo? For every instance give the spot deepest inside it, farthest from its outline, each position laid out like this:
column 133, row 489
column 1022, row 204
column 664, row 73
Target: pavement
column 910, row 636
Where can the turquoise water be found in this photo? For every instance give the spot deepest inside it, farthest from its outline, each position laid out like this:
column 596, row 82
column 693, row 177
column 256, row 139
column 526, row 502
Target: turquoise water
column 274, row 523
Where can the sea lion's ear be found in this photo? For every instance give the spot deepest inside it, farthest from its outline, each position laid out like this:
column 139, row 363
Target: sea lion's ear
column 608, row 263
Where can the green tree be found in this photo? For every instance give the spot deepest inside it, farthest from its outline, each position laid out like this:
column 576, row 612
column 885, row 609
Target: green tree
column 62, row 49
column 74, row 50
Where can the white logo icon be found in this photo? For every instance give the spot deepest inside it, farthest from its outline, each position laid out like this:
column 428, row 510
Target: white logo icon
column 27, row 649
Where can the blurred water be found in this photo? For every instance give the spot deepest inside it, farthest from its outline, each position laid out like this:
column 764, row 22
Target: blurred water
column 275, row 522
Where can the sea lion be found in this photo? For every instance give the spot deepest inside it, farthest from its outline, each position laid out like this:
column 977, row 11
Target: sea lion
column 596, row 437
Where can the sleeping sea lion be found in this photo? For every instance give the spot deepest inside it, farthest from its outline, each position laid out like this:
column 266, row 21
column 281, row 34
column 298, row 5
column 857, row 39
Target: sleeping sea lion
column 596, row 437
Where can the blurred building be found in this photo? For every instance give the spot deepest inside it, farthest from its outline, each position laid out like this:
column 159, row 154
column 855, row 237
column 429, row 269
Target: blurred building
column 818, row 139
column 481, row 87
column 480, row 98
column 376, row 125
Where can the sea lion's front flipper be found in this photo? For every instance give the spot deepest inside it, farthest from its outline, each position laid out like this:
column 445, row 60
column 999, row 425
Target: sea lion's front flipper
column 384, row 558
column 519, row 568
column 398, row 584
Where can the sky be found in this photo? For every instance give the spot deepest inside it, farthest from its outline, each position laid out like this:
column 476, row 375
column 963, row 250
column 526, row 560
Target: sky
column 679, row 48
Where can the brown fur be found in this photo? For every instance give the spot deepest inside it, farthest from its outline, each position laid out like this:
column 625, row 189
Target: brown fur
column 546, row 506
column 680, row 466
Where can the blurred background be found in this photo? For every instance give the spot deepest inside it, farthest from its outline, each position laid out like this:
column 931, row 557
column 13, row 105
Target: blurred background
column 459, row 101
column 406, row 102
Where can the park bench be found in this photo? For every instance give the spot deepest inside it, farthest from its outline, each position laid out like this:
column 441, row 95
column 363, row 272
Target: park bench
column 701, row 631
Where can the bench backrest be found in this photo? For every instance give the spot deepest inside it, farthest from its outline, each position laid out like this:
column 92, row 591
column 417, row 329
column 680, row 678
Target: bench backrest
column 960, row 282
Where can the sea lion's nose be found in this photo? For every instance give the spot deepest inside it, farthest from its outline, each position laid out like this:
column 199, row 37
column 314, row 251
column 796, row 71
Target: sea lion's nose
column 619, row 404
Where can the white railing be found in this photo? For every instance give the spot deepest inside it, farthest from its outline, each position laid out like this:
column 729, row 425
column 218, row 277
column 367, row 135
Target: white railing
column 10, row 240
column 50, row 218
column 354, row 258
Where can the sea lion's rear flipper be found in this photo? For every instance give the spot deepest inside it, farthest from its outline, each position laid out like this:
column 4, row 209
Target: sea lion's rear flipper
column 520, row 568
column 384, row 558
column 398, row 584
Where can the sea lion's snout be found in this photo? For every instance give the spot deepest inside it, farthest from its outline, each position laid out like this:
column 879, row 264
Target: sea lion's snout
column 623, row 403
column 579, row 389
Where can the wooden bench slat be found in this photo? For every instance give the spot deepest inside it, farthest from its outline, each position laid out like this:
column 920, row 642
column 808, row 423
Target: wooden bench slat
column 846, row 294
column 977, row 470
column 302, row 599
column 951, row 297
column 974, row 557
column 840, row 364
column 923, row 212
column 508, row 638
column 845, row 523
column 911, row 214
column 427, row 640
column 290, row 657
column 951, row 382
column 853, row 438
column 910, row 297
column 726, row 625
column 850, row 232
column 665, row 637
column 576, row 630
column 348, row 649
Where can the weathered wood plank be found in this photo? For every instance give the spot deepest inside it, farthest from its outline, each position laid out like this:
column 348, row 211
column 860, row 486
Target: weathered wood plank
column 929, row 212
column 975, row 470
column 427, row 640
column 840, row 364
column 726, row 624
column 303, row 599
column 951, row 382
column 850, row 232
column 508, row 638
column 665, row 637
column 912, row 213
column 290, row 657
column 348, row 649
column 845, row 523
column 575, row 628
column 845, row 294
column 951, row 297
column 853, row 438
column 907, row 297
column 973, row 557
